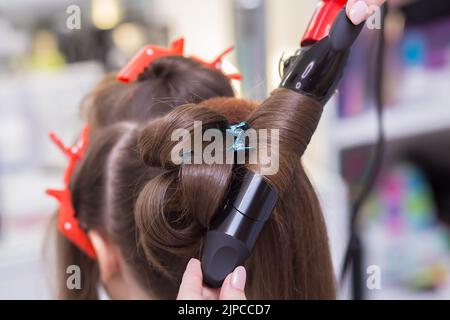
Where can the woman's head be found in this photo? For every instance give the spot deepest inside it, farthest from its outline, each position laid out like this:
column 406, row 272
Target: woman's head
column 147, row 216
column 167, row 83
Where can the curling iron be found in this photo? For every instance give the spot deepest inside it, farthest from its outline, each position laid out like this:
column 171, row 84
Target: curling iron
column 318, row 66
column 315, row 71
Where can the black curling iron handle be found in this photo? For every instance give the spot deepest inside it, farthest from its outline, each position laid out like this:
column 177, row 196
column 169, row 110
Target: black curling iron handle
column 317, row 69
column 222, row 253
column 235, row 229
column 343, row 33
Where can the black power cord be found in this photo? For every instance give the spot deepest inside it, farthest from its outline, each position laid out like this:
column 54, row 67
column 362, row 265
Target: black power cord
column 353, row 254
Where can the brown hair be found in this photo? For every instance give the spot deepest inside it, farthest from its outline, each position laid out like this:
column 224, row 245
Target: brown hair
column 167, row 83
column 128, row 169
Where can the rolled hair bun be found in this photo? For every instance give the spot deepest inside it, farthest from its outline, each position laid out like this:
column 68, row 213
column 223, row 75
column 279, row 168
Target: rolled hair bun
column 199, row 189
column 174, row 210
column 234, row 109
column 155, row 143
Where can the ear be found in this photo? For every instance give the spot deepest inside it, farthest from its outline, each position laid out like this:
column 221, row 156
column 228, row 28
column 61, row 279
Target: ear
column 107, row 256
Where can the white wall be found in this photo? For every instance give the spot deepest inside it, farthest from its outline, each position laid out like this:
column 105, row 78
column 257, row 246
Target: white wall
column 206, row 25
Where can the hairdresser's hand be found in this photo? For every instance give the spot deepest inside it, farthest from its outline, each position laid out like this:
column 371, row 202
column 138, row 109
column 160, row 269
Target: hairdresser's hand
column 192, row 287
column 360, row 10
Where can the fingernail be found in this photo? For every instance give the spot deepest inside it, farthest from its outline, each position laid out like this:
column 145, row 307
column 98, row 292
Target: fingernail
column 238, row 278
column 191, row 263
column 358, row 12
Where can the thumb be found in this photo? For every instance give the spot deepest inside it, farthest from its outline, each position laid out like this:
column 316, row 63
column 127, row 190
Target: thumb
column 357, row 11
column 192, row 283
column 233, row 285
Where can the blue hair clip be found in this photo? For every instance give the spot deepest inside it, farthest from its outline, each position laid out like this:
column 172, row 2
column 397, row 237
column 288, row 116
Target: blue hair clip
column 238, row 131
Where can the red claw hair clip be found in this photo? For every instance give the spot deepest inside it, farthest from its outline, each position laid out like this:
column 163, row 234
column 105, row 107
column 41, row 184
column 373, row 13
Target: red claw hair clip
column 147, row 55
column 217, row 64
column 150, row 53
column 68, row 223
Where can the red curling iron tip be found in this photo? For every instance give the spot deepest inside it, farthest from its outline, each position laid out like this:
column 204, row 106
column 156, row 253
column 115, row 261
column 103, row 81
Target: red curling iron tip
column 322, row 20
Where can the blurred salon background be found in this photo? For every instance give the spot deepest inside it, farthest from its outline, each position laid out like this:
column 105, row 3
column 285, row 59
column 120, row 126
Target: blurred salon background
column 52, row 52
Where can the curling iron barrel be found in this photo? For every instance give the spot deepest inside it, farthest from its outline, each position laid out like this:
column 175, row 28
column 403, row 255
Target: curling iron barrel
column 234, row 231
